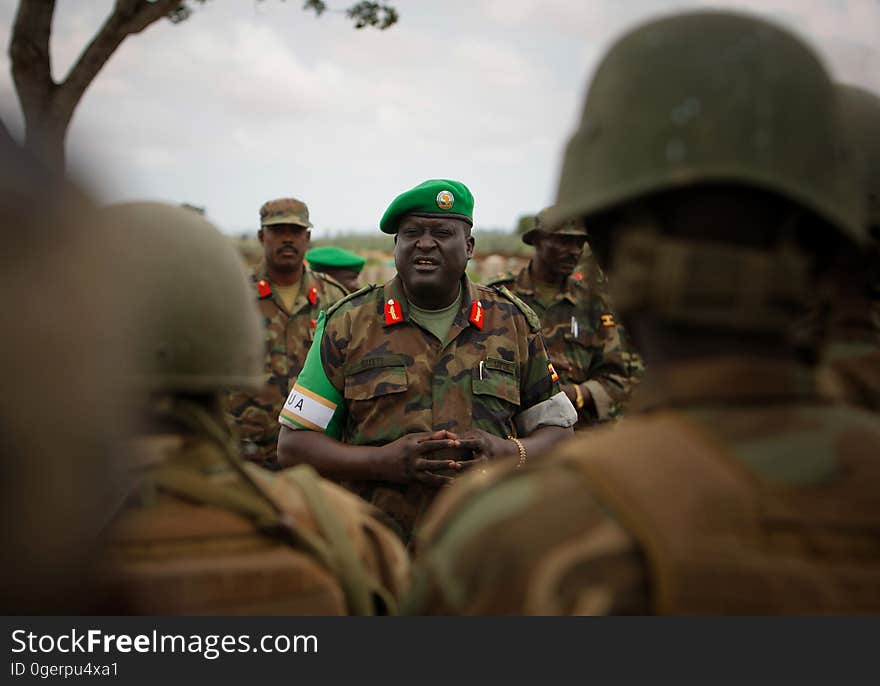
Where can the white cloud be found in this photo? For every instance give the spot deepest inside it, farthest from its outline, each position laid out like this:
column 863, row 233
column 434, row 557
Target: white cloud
column 247, row 101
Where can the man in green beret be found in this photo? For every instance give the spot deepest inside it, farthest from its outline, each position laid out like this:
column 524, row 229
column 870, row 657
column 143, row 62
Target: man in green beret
column 289, row 298
column 343, row 265
column 415, row 381
column 597, row 365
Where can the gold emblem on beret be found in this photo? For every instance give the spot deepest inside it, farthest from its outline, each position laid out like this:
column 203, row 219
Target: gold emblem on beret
column 445, row 200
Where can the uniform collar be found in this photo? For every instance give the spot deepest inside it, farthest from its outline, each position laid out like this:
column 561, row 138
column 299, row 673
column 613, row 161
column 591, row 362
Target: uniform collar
column 733, row 380
column 302, row 299
column 525, row 283
column 394, row 291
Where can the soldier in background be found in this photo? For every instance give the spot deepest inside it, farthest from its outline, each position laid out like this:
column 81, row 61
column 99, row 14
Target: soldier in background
column 342, row 265
column 597, row 365
column 850, row 370
column 203, row 532
column 705, row 166
column 426, row 375
column 289, row 297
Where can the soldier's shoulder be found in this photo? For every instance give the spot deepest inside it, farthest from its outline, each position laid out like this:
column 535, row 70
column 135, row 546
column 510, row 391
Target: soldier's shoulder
column 329, row 284
column 500, row 289
column 501, row 278
column 353, row 300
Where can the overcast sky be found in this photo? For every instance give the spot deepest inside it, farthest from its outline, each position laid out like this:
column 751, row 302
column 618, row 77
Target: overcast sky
column 248, row 101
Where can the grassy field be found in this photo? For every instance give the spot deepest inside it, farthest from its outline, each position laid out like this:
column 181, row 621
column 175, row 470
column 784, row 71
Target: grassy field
column 495, row 252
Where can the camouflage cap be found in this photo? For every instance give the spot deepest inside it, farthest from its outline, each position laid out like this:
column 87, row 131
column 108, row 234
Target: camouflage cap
column 285, row 211
column 569, row 227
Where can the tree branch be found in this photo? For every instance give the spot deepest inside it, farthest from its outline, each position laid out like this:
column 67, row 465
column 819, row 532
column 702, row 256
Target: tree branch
column 128, row 17
column 29, row 53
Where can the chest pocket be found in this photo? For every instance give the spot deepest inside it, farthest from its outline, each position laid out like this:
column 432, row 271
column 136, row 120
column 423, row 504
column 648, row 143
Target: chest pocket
column 498, row 378
column 374, row 377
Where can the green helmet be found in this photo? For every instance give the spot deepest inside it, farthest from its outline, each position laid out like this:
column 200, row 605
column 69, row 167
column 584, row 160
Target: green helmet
column 709, row 97
column 198, row 329
column 861, row 118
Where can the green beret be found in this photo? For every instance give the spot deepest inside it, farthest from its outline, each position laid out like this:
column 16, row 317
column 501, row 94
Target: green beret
column 331, row 256
column 435, row 197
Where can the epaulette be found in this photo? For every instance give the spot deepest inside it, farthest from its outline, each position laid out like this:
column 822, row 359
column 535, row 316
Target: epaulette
column 529, row 313
column 329, row 279
column 500, row 277
column 351, row 296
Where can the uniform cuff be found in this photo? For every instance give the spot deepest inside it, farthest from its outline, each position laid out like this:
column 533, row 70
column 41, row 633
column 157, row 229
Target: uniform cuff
column 555, row 411
column 601, row 400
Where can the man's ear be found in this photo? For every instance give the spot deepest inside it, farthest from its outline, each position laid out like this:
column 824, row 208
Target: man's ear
column 260, row 234
column 470, row 246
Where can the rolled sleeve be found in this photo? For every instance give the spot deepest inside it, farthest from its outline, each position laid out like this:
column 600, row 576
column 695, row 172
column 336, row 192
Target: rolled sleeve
column 556, row 411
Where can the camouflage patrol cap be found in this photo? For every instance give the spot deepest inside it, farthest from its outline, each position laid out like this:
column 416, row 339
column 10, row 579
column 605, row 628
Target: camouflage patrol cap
column 568, row 227
column 285, row 211
column 709, row 97
column 434, row 197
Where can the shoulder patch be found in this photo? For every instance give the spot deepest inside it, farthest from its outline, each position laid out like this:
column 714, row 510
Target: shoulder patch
column 527, row 311
column 351, row 296
column 501, row 277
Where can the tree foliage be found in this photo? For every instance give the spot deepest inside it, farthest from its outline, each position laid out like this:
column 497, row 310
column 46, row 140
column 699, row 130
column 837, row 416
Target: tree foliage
column 48, row 105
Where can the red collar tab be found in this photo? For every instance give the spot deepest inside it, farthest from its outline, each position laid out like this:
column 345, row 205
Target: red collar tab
column 263, row 288
column 313, row 296
column 314, row 323
column 393, row 313
column 578, row 276
column 476, row 317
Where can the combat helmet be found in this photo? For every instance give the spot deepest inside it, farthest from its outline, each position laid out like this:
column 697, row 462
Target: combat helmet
column 188, row 282
column 721, row 98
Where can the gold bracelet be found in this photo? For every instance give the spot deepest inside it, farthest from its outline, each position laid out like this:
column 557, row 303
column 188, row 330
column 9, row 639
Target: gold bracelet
column 579, row 397
column 522, row 451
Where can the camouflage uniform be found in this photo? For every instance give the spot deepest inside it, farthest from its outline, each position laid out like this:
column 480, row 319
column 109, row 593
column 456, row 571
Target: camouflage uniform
column 492, row 373
column 675, row 552
column 586, row 343
column 201, row 532
column 288, row 338
column 731, row 487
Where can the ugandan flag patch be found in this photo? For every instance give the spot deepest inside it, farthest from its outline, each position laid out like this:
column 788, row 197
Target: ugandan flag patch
column 554, row 377
column 608, row 320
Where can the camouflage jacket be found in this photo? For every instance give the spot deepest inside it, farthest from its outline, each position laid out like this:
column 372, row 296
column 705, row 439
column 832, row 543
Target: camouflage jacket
column 391, row 377
column 587, row 345
column 254, row 416
column 787, row 520
column 204, row 533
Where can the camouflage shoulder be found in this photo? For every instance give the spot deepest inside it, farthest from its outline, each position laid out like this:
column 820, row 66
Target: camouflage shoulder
column 501, row 277
column 527, row 311
column 327, row 279
column 350, row 297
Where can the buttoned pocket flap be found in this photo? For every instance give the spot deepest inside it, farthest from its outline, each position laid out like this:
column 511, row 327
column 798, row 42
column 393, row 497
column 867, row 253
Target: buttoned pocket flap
column 498, row 378
column 373, row 377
